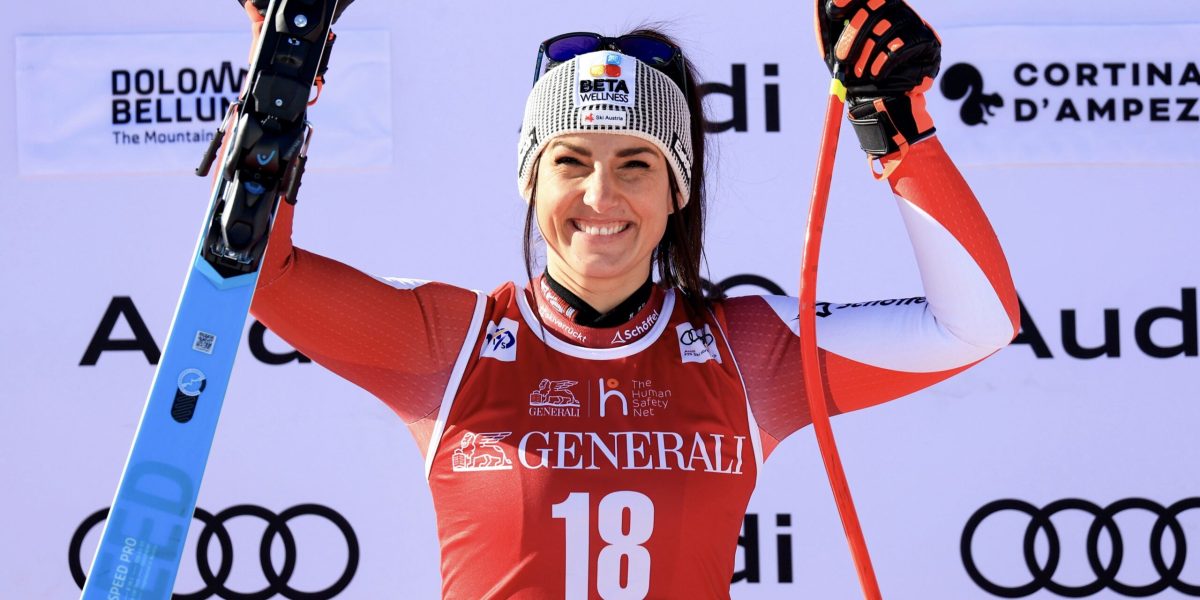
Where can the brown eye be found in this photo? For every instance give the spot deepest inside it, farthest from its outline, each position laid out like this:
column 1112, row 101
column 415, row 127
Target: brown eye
column 567, row 160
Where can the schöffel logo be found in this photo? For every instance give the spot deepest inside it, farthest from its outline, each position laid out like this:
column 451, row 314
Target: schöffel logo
column 1104, row 558
column 554, row 399
column 500, row 342
column 481, row 452
column 217, row 581
column 629, row 334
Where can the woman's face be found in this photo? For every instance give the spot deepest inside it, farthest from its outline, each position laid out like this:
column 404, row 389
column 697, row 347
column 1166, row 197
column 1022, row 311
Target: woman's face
column 602, row 203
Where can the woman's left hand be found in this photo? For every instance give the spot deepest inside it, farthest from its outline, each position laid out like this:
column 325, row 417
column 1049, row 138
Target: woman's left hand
column 876, row 47
column 886, row 56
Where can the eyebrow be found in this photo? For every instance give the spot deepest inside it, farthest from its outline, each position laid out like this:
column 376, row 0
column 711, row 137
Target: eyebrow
column 585, row 152
column 633, row 151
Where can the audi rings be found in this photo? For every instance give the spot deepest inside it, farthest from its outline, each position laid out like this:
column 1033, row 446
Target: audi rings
column 214, row 526
column 1103, row 522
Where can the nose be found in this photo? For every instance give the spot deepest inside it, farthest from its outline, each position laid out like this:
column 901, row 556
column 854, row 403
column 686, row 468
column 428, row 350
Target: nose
column 600, row 190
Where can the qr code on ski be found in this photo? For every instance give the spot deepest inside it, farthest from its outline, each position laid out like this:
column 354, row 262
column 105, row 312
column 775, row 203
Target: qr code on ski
column 204, row 342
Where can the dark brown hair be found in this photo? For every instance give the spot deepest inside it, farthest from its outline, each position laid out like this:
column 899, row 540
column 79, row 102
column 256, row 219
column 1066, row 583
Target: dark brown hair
column 680, row 252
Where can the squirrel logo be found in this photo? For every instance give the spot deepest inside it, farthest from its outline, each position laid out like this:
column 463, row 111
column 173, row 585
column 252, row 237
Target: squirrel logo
column 964, row 80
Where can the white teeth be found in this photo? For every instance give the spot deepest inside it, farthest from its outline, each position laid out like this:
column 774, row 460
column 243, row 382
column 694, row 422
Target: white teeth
column 593, row 230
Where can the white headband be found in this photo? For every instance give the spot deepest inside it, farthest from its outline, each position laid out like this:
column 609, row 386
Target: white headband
column 607, row 92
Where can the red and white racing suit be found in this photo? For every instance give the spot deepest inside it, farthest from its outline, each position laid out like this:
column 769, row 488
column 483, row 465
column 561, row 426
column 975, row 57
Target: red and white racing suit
column 574, row 462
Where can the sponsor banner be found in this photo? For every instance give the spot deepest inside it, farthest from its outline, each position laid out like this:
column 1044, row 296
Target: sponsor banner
column 310, row 528
column 1095, row 401
column 1070, row 94
column 103, row 104
column 1089, row 548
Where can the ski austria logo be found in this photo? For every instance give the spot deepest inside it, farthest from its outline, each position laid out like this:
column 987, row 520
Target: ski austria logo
column 964, row 81
column 217, row 581
column 697, row 344
column 481, row 452
column 614, row 118
column 501, row 341
column 554, row 399
column 600, row 79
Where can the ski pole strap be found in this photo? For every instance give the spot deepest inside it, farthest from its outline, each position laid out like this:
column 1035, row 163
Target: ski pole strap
column 890, row 124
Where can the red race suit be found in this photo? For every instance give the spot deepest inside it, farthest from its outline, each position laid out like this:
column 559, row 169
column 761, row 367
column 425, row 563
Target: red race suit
column 575, row 462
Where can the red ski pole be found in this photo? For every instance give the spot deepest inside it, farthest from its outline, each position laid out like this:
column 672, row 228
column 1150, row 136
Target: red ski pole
column 814, row 384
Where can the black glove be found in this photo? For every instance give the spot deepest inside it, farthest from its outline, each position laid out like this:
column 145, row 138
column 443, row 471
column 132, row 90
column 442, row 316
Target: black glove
column 886, row 55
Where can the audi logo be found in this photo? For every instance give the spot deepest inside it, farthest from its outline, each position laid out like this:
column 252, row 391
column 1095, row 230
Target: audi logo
column 214, row 525
column 719, row 289
column 1102, row 523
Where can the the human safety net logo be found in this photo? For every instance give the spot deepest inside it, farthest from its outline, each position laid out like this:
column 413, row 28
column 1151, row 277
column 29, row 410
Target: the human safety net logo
column 638, row 398
column 605, row 78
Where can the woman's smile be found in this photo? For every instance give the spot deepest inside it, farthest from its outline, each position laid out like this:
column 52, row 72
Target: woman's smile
column 601, row 230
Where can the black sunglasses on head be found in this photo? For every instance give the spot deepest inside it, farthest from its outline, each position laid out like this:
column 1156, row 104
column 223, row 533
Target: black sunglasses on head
column 656, row 53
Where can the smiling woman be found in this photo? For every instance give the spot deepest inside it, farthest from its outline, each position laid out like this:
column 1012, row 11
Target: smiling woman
column 602, row 203
column 598, row 431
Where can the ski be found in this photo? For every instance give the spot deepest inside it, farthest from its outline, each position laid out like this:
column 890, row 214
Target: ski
column 265, row 136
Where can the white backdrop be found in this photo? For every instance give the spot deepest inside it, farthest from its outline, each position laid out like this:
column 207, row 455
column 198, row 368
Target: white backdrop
column 412, row 174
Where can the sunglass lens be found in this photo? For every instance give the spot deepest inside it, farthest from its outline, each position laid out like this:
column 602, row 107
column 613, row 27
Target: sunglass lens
column 564, row 49
column 648, row 50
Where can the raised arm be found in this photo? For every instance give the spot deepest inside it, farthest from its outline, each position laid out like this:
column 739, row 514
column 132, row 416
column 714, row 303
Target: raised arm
column 396, row 338
column 875, row 351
